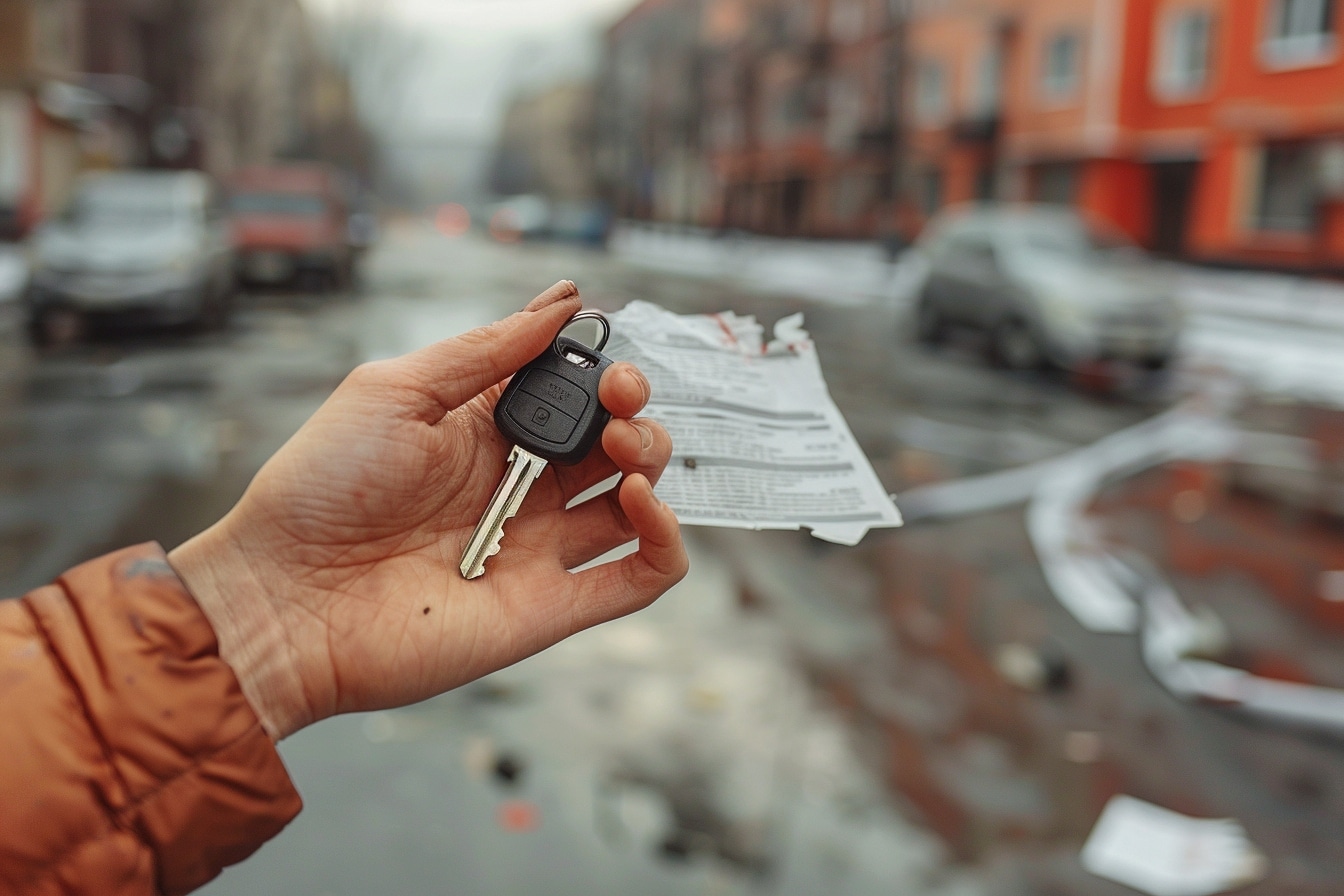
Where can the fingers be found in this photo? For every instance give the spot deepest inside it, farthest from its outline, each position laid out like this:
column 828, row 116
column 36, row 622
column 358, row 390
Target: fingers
column 442, row 377
column 632, row 583
column 562, row 290
column 627, row 446
column 642, row 448
column 624, row 391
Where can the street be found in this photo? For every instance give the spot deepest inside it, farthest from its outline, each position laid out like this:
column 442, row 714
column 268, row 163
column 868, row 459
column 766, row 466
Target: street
column 794, row 718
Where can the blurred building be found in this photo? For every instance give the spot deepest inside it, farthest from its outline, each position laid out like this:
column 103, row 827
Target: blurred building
column 210, row 84
column 765, row 115
column 1204, row 128
column 801, row 115
column 546, row 145
column 650, row 114
column 1211, row 129
column 41, row 107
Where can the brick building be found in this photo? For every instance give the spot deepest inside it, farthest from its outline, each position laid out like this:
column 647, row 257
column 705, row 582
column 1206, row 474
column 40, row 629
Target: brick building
column 802, row 115
column 1207, row 128
column 770, row 115
column 649, row 113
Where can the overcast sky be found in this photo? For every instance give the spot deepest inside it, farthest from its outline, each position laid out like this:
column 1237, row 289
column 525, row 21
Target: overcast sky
column 482, row 51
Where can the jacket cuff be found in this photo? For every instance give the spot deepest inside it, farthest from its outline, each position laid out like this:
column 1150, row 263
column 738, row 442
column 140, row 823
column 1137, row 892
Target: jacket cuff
column 192, row 772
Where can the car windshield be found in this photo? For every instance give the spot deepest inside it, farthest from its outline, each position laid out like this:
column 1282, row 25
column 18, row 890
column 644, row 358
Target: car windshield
column 126, row 205
column 290, row 205
column 1073, row 239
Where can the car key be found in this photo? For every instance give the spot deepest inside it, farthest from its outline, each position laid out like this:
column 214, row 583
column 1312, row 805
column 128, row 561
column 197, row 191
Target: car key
column 551, row 414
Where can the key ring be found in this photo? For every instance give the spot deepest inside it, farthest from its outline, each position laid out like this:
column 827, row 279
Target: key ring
column 588, row 315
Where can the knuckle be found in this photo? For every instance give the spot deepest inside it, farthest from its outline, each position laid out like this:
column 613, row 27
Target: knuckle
column 367, row 374
column 621, row 523
column 678, row 568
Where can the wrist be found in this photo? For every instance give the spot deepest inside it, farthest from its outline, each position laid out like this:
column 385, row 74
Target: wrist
column 251, row 634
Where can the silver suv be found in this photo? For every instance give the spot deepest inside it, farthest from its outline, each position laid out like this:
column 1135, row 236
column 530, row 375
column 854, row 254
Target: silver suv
column 1047, row 287
column 151, row 248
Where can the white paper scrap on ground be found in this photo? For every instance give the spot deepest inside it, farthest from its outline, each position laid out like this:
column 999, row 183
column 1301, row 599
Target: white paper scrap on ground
column 1163, row 853
column 757, row 441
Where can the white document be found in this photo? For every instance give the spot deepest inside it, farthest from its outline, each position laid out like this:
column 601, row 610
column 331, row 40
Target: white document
column 757, row 441
column 1163, row 853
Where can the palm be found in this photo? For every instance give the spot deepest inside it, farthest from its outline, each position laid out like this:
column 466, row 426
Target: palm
column 366, row 513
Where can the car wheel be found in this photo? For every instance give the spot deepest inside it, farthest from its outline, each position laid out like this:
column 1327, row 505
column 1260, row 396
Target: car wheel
column 217, row 314
column 56, row 326
column 930, row 328
column 313, row 281
column 214, row 309
column 1013, row 346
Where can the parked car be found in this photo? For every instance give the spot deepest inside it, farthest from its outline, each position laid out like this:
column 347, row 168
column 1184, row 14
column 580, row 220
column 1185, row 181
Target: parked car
column 1047, row 286
column 533, row 217
column 292, row 224
column 150, row 248
column 13, row 273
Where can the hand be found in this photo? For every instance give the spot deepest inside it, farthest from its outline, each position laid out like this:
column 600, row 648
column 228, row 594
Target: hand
column 333, row 585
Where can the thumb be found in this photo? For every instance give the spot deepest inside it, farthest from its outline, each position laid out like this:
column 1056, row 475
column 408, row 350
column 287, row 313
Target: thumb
column 448, row 374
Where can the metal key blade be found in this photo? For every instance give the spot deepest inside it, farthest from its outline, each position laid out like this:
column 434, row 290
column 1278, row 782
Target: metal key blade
column 523, row 470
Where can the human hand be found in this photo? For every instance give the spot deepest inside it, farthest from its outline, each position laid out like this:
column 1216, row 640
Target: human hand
column 333, row 585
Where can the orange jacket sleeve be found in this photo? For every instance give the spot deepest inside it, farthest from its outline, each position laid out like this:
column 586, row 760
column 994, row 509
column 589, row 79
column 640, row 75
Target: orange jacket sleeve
column 130, row 762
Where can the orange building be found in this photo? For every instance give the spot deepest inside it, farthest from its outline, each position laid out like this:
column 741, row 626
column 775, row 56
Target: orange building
column 1207, row 128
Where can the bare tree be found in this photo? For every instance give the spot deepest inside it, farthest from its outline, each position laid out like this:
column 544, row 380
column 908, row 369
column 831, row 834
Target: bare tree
column 381, row 56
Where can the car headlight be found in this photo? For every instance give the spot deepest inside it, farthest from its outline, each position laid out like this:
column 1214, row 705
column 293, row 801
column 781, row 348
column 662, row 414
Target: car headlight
column 181, row 264
column 1063, row 309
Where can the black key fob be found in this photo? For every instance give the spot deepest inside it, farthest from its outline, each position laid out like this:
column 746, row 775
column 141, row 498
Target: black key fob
column 550, row 408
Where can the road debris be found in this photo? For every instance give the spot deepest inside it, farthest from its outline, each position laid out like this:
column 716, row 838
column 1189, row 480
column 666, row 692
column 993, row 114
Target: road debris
column 1163, row 853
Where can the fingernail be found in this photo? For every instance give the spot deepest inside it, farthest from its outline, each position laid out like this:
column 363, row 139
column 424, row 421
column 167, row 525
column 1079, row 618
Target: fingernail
column 645, row 435
column 562, row 290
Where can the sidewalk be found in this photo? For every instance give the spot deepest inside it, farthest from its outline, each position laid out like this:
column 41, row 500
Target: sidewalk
column 841, row 273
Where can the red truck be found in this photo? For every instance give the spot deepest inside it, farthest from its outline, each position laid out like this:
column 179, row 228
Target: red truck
column 291, row 224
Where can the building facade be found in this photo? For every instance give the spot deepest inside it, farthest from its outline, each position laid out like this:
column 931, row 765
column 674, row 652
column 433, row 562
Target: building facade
column 650, row 114
column 776, row 116
column 1210, row 129
column 40, row 108
column 206, row 84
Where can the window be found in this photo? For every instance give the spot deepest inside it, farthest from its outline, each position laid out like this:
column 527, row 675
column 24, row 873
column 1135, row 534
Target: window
column 1059, row 76
column 986, row 82
column 1300, row 32
column 1055, row 183
column 1288, row 197
column 931, row 189
column 845, row 108
column 1183, row 55
column 930, row 92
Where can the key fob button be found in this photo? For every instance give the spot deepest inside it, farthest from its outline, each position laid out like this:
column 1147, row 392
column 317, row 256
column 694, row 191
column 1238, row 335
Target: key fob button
column 560, row 393
column 551, row 408
column 541, row 419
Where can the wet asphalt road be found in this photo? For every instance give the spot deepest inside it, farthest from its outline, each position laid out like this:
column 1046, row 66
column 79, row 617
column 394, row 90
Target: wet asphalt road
column 778, row 724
